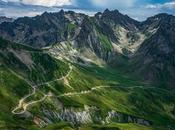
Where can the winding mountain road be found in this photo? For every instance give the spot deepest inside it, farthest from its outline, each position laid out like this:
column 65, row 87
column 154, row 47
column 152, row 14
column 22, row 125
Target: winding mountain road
column 24, row 106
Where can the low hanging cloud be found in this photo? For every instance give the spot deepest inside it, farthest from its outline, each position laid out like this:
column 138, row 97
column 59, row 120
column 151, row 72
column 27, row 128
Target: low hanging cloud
column 42, row 2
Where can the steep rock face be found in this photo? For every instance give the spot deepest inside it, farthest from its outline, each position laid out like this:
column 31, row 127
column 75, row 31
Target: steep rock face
column 111, row 35
column 155, row 58
column 91, row 37
column 124, row 118
column 123, row 31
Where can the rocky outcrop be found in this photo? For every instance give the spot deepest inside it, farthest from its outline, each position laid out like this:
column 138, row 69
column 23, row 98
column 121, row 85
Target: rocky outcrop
column 124, row 118
column 90, row 115
column 69, row 115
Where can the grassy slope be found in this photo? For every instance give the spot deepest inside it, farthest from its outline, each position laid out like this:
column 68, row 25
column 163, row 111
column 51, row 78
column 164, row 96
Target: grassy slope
column 149, row 103
column 152, row 104
column 113, row 126
column 13, row 87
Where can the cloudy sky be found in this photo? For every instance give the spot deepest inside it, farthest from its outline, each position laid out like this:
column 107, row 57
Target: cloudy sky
column 138, row 9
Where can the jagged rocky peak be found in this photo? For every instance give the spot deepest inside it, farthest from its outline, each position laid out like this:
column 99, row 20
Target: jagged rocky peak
column 163, row 39
column 114, row 17
column 114, row 12
column 61, row 11
column 161, row 16
column 58, row 15
column 45, row 13
column 158, row 20
column 98, row 15
column 76, row 18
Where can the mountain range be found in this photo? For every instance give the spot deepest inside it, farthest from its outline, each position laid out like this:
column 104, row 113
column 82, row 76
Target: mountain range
column 111, row 36
column 106, row 72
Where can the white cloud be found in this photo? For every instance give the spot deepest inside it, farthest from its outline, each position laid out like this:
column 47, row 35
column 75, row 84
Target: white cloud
column 113, row 3
column 43, row 2
column 21, row 12
column 167, row 5
column 15, row 13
